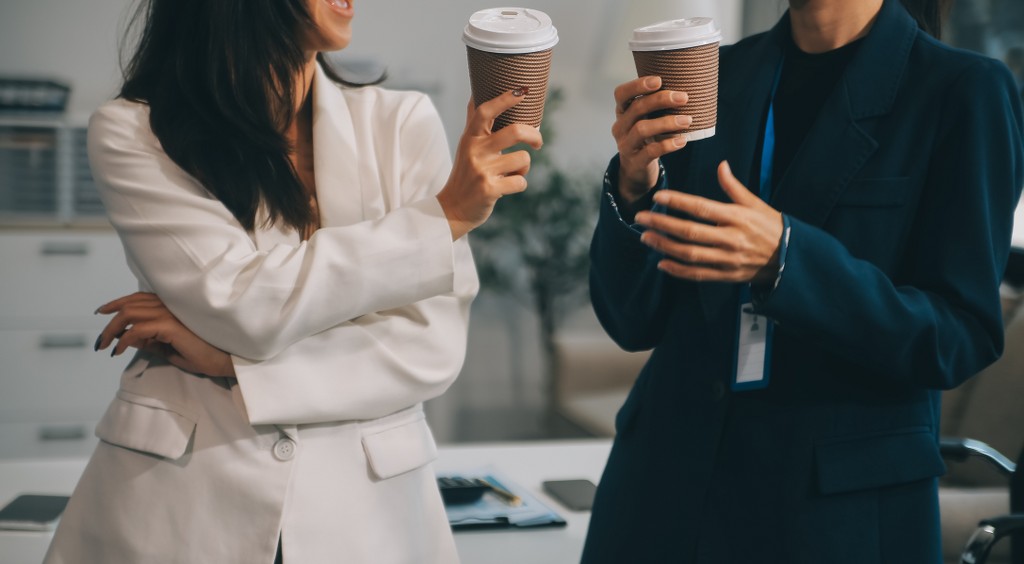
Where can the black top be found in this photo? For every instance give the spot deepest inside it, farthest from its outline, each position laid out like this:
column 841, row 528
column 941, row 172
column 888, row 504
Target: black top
column 806, row 82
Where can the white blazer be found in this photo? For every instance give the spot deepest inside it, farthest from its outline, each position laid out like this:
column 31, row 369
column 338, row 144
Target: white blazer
column 336, row 342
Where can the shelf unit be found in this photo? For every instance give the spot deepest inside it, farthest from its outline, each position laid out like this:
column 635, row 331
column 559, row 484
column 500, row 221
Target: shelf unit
column 60, row 261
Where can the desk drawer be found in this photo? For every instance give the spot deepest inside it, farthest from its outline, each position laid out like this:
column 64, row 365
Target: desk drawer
column 54, row 375
column 60, row 273
column 53, row 439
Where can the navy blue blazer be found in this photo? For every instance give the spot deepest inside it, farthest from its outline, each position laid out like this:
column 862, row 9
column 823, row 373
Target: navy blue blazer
column 901, row 201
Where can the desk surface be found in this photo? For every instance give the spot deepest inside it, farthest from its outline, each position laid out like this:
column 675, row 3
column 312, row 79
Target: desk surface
column 527, row 463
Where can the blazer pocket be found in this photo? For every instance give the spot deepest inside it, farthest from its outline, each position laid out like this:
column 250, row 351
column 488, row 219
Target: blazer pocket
column 148, row 425
column 877, row 460
column 876, row 192
column 397, row 449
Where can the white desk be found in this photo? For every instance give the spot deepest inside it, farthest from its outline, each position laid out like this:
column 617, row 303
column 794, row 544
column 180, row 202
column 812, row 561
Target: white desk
column 528, row 464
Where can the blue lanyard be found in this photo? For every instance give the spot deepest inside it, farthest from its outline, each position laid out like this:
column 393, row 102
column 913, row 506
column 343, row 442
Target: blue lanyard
column 768, row 148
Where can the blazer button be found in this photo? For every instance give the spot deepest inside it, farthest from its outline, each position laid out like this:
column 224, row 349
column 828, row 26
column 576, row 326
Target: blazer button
column 717, row 390
column 284, row 449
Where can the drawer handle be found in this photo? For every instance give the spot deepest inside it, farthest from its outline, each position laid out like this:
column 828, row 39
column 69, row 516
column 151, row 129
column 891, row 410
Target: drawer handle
column 65, row 248
column 62, row 433
column 62, row 342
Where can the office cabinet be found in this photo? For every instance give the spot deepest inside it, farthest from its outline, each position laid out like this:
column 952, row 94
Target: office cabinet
column 53, row 385
column 59, row 260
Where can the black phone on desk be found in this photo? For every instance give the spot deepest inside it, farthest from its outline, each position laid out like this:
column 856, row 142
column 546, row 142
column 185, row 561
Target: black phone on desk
column 577, row 495
column 33, row 512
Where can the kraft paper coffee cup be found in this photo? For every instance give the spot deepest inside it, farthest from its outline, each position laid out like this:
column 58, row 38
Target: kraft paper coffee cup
column 684, row 53
column 508, row 49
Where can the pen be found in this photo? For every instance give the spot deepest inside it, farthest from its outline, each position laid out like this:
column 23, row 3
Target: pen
column 506, row 496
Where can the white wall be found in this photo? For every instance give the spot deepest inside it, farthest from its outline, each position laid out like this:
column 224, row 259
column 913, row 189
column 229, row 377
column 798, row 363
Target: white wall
column 73, row 41
column 418, row 42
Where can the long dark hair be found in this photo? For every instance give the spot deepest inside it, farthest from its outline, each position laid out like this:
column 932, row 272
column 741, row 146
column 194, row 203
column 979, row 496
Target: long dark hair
column 219, row 78
column 929, row 14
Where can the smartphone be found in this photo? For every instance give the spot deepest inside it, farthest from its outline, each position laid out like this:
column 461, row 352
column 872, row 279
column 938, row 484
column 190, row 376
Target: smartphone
column 576, row 495
column 32, row 512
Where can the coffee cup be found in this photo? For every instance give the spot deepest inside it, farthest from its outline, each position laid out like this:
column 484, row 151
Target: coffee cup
column 684, row 53
column 510, row 49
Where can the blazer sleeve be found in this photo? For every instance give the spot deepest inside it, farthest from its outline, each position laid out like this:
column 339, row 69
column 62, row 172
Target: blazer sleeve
column 941, row 323
column 382, row 361
column 185, row 245
column 626, row 288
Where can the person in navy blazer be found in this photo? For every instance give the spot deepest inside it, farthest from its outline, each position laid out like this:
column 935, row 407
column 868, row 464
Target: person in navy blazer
column 877, row 258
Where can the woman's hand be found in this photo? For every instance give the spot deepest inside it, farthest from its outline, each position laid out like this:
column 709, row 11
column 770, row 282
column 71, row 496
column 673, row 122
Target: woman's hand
column 481, row 173
column 737, row 242
column 143, row 321
column 641, row 140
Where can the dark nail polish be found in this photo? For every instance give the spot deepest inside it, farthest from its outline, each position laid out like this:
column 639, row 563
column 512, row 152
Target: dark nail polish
column 96, row 347
column 521, row 91
column 112, row 351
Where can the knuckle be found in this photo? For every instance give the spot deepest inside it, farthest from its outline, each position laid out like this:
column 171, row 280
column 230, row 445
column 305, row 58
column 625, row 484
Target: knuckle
column 620, row 93
column 643, row 129
column 667, row 146
column 518, row 131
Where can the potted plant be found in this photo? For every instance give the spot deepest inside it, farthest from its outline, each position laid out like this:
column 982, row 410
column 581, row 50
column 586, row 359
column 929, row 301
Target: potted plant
column 535, row 247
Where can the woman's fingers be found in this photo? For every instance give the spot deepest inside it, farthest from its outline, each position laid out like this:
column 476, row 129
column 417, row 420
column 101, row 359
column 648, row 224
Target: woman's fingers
column 628, row 92
column 143, row 322
column 480, row 121
column 700, row 272
column 690, row 252
column 682, row 229
column 648, row 131
column 137, row 297
column 735, row 189
column 724, row 241
column 514, row 135
column 138, row 336
column 512, row 184
column 517, row 162
column 704, row 209
column 481, row 172
column 645, row 106
column 127, row 315
column 641, row 139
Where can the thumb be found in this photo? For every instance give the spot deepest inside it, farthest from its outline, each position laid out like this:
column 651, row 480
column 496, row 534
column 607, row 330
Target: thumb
column 735, row 189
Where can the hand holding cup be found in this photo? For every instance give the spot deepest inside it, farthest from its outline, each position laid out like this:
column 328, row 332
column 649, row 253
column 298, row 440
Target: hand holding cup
column 482, row 173
column 642, row 139
column 679, row 58
column 510, row 48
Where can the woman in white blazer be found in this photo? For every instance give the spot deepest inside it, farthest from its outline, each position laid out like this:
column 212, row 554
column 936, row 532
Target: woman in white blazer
column 304, row 286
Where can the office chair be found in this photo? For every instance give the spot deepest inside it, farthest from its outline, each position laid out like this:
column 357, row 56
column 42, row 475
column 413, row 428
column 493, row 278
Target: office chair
column 993, row 529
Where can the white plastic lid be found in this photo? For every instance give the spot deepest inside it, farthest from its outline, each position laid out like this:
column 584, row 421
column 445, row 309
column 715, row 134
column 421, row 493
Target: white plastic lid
column 675, row 34
column 510, row 30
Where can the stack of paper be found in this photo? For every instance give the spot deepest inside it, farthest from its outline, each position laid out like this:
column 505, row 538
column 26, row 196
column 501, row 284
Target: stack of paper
column 493, row 510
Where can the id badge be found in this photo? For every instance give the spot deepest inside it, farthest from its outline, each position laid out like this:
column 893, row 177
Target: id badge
column 752, row 364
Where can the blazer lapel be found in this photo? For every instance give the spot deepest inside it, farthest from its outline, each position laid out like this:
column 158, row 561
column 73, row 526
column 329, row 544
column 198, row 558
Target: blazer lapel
column 839, row 142
column 833, row 151
column 335, row 155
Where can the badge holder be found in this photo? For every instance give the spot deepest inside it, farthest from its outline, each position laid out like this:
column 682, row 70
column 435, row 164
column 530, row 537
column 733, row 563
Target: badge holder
column 752, row 362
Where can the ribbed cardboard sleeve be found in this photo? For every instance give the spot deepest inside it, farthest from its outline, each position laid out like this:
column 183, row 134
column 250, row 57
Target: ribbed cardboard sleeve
column 693, row 70
column 493, row 74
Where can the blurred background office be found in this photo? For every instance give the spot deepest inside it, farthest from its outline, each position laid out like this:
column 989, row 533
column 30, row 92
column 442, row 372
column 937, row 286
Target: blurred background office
column 539, row 366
